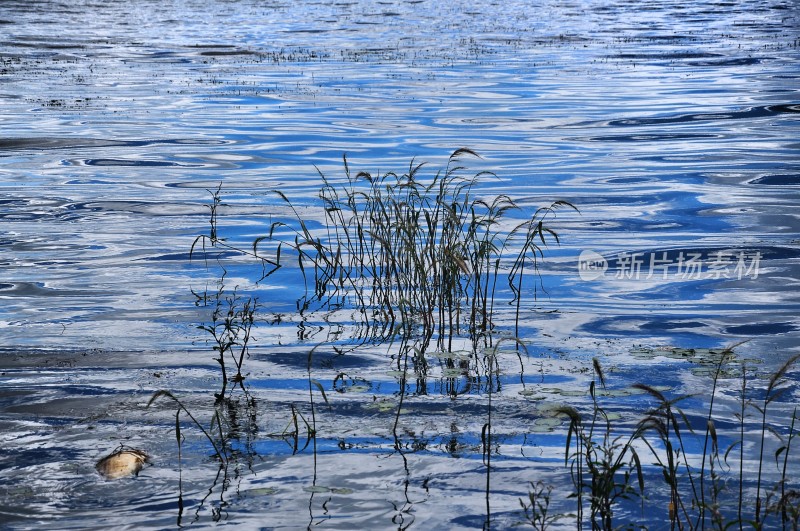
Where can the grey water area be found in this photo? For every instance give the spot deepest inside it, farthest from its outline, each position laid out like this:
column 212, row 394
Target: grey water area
column 674, row 128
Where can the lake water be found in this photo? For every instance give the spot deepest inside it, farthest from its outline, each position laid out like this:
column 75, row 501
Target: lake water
column 674, row 128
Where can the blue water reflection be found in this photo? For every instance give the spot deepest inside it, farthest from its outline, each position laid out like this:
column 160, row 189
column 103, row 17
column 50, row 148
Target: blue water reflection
column 672, row 126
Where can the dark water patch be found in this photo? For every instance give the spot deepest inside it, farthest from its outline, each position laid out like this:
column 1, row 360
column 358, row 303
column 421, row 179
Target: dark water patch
column 64, row 411
column 629, row 180
column 212, row 46
column 766, row 252
column 89, row 182
column 157, row 508
column 222, row 53
column 630, row 200
column 29, row 216
column 742, row 61
column 470, row 521
column 62, row 263
column 749, row 113
column 22, row 358
column 61, row 405
column 672, row 325
column 127, row 162
column 195, row 184
column 44, row 455
column 10, row 396
column 658, row 137
column 667, row 56
column 40, row 143
column 13, row 202
column 760, row 329
column 159, row 54
column 188, row 257
column 636, row 326
column 44, row 45
column 320, row 360
column 438, row 382
column 311, row 31
column 154, row 208
column 40, row 289
column 777, row 180
column 668, row 38
column 457, row 444
column 45, row 143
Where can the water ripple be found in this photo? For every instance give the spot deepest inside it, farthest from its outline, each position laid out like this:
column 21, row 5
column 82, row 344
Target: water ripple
column 671, row 125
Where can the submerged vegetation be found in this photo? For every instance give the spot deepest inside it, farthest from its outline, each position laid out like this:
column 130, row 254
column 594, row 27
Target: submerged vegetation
column 423, row 267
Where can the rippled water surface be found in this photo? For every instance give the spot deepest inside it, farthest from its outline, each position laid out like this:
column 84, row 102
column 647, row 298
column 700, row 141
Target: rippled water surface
column 674, row 128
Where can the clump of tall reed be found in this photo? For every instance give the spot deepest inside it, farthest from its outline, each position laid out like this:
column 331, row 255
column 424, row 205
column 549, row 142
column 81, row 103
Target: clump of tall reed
column 718, row 487
column 602, row 464
column 698, row 494
column 409, row 256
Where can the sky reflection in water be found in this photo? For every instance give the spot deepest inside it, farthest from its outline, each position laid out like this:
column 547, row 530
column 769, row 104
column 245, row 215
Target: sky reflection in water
column 673, row 129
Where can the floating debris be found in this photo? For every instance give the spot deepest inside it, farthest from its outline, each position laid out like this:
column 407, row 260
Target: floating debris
column 123, row 462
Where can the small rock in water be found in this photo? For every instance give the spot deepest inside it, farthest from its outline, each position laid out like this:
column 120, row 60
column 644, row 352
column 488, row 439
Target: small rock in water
column 123, row 462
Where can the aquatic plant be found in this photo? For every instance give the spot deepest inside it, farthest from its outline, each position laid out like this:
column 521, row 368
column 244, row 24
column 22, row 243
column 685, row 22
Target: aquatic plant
column 775, row 389
column 409, row 257
column 491, row 362
column 232, row 319
column 718, row 493
column 231, row 421
column 537, row 510
column 412, row 259
column 602, row 465
column 219, row 452
column 418, row 263
column 688, row 504
column 232, row 316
